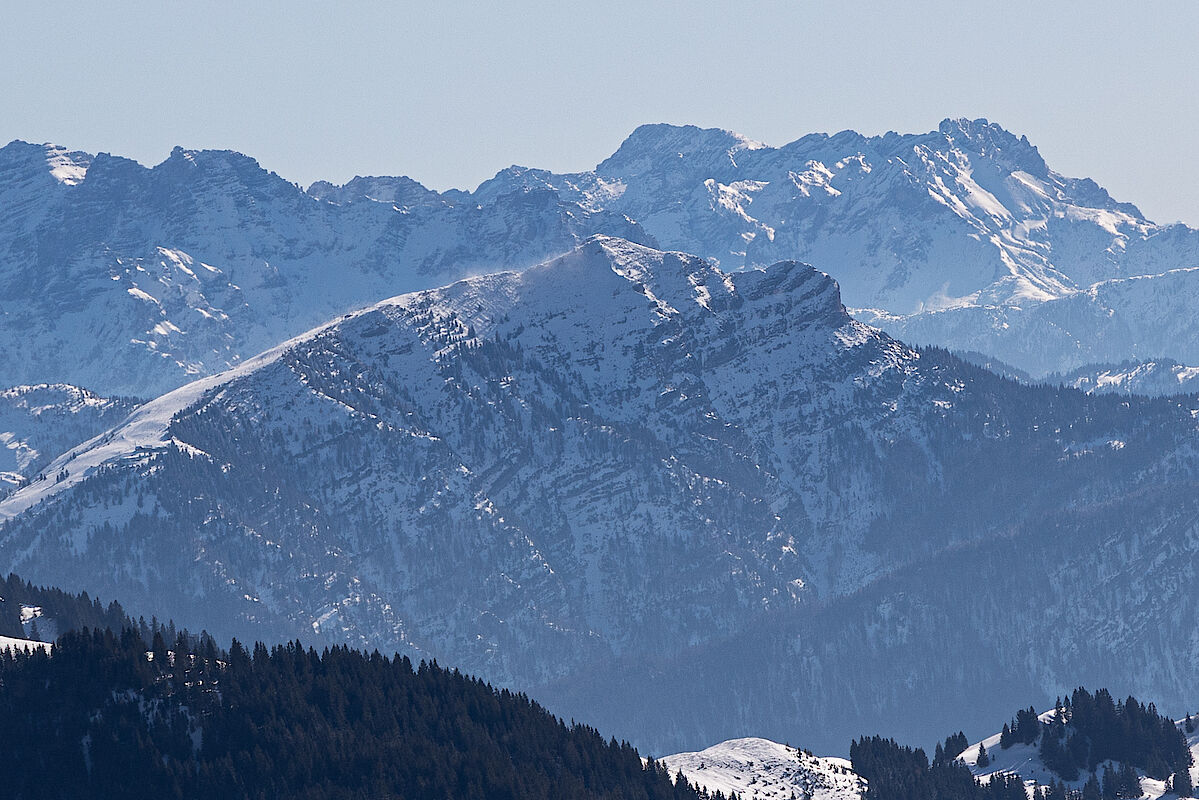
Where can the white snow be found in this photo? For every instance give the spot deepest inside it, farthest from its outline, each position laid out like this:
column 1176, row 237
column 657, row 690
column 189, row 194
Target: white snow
column 759, row 769
column 12, row 643
column 67, row 168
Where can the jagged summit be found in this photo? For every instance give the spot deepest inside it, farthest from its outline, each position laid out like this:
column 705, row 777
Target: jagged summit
column 656, row 146
column 400, row 191
column 599, row 279
column 991, row 141
column 959, row 236
column 65, row 166
column 134, row 279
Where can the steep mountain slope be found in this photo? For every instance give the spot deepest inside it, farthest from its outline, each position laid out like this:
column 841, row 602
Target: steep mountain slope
column 682, row 502
column 38, row 423
column 759, row 769
column 132, row 280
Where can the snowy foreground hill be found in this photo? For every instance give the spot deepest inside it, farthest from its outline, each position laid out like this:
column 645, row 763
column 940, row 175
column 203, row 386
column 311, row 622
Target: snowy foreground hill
column 1025, row 761
column 679, row 503
column 759, row 769
column 134, row 280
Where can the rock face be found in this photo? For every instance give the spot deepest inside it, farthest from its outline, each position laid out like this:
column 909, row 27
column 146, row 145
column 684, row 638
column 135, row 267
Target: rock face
column 678, row 502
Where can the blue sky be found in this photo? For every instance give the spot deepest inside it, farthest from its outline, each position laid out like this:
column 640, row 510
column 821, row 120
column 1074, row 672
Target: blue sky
column 451, row 93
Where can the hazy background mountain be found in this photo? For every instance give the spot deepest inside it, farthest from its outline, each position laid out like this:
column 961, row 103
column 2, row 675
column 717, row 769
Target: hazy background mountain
column 963, row 237
column 40, row 422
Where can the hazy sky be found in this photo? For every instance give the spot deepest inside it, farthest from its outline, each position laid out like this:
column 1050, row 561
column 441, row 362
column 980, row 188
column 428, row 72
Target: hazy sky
column 449, row 93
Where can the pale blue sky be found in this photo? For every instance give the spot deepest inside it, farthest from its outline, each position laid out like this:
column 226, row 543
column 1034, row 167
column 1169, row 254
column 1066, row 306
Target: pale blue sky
column 449, row 93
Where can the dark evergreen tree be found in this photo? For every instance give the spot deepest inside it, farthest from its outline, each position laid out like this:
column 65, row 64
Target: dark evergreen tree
column 955, row 745
column 1006, row 739
column 984, row 758
column 1129, row 782
column 1181, row 784
column 1110, row 784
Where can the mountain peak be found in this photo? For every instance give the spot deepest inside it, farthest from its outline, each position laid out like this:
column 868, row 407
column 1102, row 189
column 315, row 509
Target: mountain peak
column 648, row 144
column 995, row 142
column 401, row 191
column 212, row 159
column 68, row 167
column 818, row 291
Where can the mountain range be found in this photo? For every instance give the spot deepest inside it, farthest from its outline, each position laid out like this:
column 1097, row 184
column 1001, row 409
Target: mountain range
column 680, row 502
column 131, row 280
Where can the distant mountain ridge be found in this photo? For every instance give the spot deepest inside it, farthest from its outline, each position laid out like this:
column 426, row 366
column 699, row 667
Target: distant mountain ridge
column 134, row 280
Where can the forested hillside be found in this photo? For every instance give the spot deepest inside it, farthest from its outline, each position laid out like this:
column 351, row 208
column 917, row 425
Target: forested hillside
column 113, row 715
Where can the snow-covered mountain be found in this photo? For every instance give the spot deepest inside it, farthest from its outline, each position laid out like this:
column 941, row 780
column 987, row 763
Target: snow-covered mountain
column 962, row 237
column 1113, row 321
column 759, row 769
column 38, row 423
column 134, row 280
column 678, row 502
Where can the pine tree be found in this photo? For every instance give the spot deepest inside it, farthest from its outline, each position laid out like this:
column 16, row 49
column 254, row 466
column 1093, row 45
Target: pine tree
column 1111, row 783
column 984, row 758
column 1190, row 724
column 1181, row 783
column 1129, row 783
column 1005, row 737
